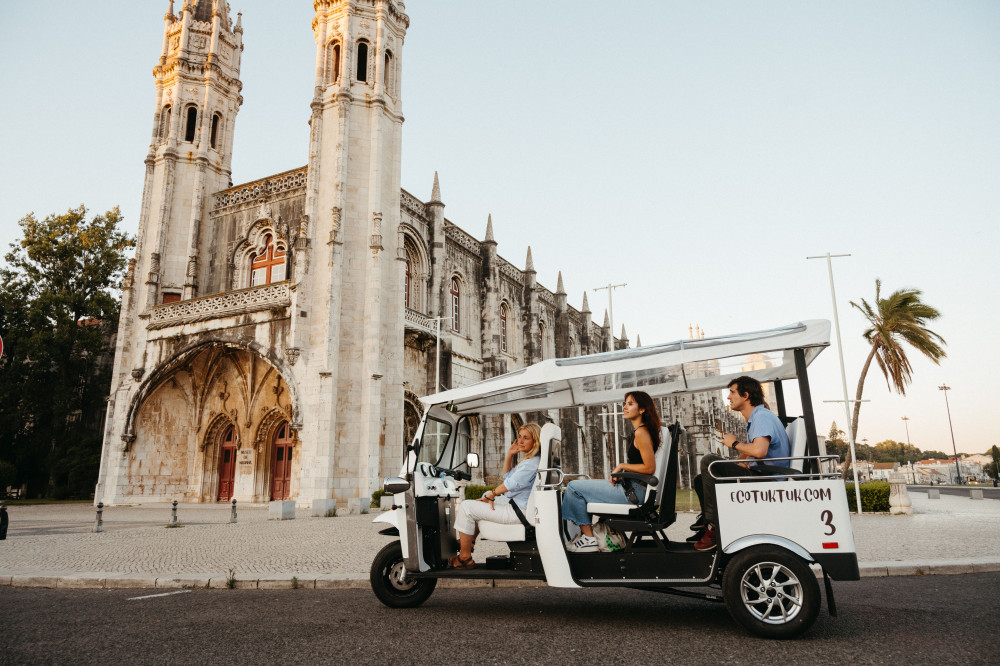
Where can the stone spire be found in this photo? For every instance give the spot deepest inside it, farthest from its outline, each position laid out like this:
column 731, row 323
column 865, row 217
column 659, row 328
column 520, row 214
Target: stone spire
column 436, row 189
column 489, row 228
column 607, row 320
column 529, row 265
column 586, row 306
column 559, row 285
column 638, row 342
column 624, row 337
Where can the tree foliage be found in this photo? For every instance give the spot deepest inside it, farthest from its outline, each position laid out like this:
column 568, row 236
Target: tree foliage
column 58, row 315
column 896, row 322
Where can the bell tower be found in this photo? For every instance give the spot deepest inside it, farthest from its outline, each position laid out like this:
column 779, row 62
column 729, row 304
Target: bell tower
column 352, row 204
column 197, row 98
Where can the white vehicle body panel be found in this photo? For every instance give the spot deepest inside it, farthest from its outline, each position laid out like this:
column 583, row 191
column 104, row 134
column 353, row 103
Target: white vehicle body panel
column 812, row 514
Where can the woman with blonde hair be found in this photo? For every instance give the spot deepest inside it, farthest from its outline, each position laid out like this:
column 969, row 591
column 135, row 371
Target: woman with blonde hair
column 495, row 505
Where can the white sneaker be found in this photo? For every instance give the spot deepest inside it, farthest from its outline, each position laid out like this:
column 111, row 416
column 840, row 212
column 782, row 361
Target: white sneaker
column 583, row 544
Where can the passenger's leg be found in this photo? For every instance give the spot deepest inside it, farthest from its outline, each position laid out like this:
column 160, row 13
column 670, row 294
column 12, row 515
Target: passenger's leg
column 578, row 493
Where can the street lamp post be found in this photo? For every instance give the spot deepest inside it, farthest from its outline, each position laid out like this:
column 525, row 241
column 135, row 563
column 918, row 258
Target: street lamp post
column 437, row 351
column 958, row 470
column 611, row 347
column 843, row 373
column 906, row 451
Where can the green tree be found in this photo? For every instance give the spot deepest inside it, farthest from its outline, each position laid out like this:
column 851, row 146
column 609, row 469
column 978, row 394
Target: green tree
column 895, row 322
column 935, row 455
column 58, row 314
column 995, row 467
column 836, row 444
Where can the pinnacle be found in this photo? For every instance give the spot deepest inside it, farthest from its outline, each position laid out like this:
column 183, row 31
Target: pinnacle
column 559, row 285
column 638, row 342
column 489, row 229
column 586, row 306
column 623, row 337
column 529, row 265
column 436, row 189
column 607, row 320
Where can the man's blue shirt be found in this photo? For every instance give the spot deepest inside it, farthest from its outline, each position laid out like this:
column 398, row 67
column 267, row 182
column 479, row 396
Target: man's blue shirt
column 764, row 423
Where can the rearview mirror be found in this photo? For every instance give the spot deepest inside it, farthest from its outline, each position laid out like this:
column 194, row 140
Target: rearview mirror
column 395, row 485
column 472, row 460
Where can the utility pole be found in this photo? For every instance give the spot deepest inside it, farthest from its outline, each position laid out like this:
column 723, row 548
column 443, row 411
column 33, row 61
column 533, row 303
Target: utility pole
column 843, row 373
column 437, row 351
column 958, row 470
column 611, row 347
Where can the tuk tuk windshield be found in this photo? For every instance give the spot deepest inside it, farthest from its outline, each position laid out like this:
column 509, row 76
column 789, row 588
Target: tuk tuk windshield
column 434, row 441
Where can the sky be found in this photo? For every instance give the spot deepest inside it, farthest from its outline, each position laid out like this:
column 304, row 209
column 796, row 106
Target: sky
column 697, row 151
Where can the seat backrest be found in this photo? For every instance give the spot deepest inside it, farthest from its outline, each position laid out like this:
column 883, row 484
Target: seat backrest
column 662, row 456
column 550, row 433
column 796, row 431
column 667, row 495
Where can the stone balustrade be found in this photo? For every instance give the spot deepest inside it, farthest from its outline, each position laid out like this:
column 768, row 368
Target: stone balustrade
column 227, row 304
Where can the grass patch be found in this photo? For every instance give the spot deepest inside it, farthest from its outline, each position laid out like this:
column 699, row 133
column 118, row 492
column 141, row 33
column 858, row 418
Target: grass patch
column 231, row 580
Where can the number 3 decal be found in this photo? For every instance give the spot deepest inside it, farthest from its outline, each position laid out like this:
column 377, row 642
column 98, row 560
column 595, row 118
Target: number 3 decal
column 827, row 518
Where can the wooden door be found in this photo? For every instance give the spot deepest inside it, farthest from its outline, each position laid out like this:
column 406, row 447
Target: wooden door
column 281, row 463
column 227, row 465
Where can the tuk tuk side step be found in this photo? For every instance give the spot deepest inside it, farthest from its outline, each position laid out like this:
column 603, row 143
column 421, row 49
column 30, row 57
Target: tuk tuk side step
column 653, row 567
column 477, row 572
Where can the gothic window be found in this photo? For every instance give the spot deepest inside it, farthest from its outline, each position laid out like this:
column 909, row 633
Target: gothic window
column 165, row 123
column 389, row 75
column 409, row 283
column 333, row 62
column 268, row 266
column 192, row 123
column 362, row 73
column 216, row 126
column 456, row 306
column 541, row 338
column 503, row 327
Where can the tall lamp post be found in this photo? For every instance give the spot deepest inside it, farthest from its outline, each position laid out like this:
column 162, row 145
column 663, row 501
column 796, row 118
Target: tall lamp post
column 843, row 373
column 611, row 347
column 958, row 470
column 906, row 451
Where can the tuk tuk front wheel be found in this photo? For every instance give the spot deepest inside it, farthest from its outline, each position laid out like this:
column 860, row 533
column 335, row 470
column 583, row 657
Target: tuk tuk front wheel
column 771, row 592
column 390, row 586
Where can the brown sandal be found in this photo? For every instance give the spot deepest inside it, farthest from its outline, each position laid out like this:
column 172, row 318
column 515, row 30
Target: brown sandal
column 458, row 563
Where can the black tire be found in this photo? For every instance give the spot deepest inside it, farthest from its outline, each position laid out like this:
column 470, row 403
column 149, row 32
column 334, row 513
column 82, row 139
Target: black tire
column 387, row 567
column 771, row 592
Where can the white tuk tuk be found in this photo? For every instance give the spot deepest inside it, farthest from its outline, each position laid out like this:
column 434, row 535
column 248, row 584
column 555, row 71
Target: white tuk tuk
column 778, row 531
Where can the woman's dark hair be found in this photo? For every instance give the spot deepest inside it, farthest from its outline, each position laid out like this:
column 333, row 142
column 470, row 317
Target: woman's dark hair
column 650, row 417
column 749, row 387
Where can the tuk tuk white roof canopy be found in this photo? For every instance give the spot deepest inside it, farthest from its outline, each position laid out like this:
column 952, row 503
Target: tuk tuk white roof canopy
column 683, row 366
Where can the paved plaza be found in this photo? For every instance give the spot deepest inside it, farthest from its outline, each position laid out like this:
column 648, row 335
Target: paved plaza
column 54, row 546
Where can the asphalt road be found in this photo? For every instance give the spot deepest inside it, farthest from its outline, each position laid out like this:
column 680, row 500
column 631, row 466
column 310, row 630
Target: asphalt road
column 912, row 620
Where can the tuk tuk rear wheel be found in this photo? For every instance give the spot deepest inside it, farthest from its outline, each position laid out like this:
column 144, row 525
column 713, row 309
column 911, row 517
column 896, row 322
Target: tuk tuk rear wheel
column 771, row 592
column 390, row 585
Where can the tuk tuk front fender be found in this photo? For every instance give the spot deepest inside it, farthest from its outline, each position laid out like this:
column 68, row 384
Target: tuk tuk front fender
column 768, row 540
column 397, row 519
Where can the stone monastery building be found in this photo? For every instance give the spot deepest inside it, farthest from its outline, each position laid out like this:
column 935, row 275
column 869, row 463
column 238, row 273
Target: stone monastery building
column 275, row 336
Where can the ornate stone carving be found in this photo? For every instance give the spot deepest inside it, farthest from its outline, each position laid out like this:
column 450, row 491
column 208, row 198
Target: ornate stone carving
column 375, row 243
column 335, row 213
column 137, row 373
column 228, row 304
column 462, row 239
column 258, row 189
column 292, row 355
column 411, row 204
column 419, row 321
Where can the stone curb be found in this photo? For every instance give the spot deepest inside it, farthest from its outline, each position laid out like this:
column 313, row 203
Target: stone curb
column 360, row 581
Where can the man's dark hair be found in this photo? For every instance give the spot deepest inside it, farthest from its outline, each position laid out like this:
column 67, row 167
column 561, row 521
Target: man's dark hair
column 749, row 387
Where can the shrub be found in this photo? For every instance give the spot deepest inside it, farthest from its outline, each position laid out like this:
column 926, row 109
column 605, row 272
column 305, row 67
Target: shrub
column 377, row 498
column 474, row 491
column 874, row 496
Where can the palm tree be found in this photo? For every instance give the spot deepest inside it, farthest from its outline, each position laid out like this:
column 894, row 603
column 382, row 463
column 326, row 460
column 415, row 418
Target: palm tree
column 899, row 318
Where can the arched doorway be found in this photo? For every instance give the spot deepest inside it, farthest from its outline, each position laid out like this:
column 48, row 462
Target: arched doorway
column 227, row 464
column 281, row 463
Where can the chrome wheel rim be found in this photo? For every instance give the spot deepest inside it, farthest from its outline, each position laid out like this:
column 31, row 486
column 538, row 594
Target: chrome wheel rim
column 397, row 578
column 771, row 593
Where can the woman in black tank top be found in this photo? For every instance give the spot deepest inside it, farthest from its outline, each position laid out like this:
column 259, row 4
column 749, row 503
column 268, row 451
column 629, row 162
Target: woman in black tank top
column 640, row 457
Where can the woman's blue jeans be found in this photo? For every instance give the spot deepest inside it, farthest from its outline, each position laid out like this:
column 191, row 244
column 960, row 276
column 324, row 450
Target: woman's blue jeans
column 581, row 491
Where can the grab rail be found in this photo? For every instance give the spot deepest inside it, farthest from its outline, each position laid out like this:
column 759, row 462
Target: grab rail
column 545, row 470
column 799, row 475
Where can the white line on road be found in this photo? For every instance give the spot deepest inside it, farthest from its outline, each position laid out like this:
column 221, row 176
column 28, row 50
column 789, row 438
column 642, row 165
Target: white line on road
column 164, row 594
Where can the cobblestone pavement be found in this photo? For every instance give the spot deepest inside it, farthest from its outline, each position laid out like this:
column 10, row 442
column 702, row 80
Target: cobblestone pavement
column 56, row 541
